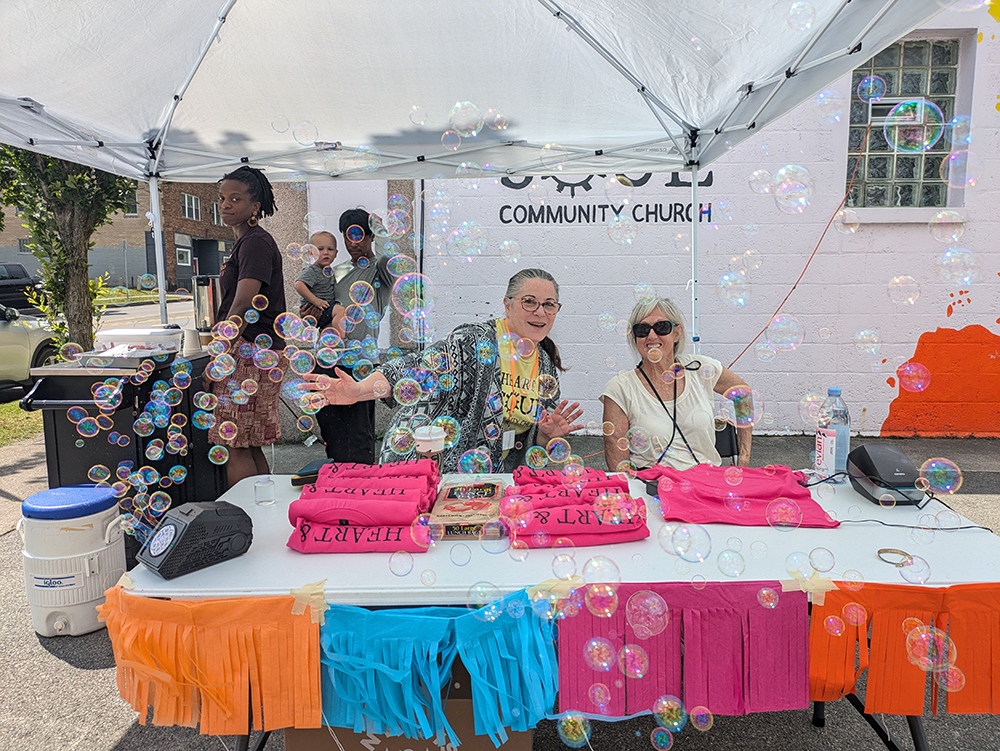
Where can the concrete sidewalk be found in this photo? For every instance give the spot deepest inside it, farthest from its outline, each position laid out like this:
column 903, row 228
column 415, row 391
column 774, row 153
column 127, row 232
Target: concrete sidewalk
column 60, row 693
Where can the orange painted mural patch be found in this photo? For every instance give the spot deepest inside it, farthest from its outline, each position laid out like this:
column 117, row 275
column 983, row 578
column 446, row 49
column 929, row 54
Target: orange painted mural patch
column 963, row 397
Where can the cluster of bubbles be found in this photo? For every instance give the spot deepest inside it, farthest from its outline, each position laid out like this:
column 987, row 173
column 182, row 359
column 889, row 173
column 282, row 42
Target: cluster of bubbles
column 934, row 652
column 792, row 187
column 141, row 492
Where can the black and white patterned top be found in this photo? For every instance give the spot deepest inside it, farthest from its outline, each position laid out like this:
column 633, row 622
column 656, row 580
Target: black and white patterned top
column 471, row 401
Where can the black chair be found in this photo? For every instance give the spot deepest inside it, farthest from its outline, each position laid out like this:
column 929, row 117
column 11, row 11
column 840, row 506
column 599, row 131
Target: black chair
column 726, row 441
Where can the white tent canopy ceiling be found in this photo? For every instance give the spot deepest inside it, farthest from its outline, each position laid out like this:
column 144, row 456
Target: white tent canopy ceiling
column 186, row 90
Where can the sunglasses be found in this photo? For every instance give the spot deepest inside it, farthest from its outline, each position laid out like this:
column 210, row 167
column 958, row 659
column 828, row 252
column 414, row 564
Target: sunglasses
column 662, row 328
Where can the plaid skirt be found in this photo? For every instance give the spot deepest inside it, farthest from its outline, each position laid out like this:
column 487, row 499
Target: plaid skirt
column 258, row 422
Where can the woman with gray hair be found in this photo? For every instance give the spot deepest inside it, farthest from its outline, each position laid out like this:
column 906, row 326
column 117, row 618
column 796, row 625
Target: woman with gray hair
column 494, row 385
column 662, row 412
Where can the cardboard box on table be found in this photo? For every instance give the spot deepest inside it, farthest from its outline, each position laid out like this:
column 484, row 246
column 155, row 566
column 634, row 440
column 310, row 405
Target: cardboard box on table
column 458, row 711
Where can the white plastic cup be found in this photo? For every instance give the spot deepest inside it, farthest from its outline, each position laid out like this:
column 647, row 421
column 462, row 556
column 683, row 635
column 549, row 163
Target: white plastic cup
column 263, row 491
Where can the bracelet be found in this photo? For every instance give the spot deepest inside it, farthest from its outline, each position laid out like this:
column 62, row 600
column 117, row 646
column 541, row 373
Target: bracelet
column 905, row 559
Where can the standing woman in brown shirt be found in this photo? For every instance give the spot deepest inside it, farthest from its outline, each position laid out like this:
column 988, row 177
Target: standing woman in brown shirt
column 253, row 269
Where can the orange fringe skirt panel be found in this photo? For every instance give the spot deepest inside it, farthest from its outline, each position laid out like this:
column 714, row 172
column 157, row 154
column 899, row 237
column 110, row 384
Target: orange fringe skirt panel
column 203, row 662
column 969, row 614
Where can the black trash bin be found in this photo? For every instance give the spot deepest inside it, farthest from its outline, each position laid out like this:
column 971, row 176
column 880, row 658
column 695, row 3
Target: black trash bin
column 69, row 456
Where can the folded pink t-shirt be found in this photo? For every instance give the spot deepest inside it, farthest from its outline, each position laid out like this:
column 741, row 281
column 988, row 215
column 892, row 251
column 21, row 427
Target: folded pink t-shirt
column 527, row 476
column 330, row 507
column 701, row 495
column 313, row 537
column 417, row 468
column 586, row 519
column 413, row 489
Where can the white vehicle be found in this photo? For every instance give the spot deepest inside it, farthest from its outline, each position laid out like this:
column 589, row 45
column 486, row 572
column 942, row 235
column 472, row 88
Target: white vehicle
column 25, row 342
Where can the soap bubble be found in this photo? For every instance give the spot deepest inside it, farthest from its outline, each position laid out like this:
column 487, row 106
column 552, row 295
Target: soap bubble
column 854, row 614
column 552, row 156
column 961, row 169
column 916, row 571
column 801, row 16
column 958, row 267
column 829, row 106
column 846, row 222
column 784, row 332
column 465, row 119
column 733, row 288
column 484, row 599
column 98, row 473
column 75, row 414
column 913, row 126
column 510, row 250
column 930, row 648
column 574, row 729
column 599, row 654
column 668, row 711
column 765, row 352
column 867, row 341
column 558, row 449
column 792, row 189
column 622, row 229
column 731, row 563
column 88, row 427
column 218, row 455
column 871, row 89
column 400, row 563
column 633, row 661
column 913, row 376
column 834, row 625
column 903, row 290
column 947, row 226
column 70, row 351
column 147, row 281
column 468, row 240
column 768, row 598
column 601, row 570
column 701, row 718
column 733, row 475
column 661, row 739
column 810, row 408
column 783, row 514
column 821, row 559
column 958, row 131
column 691, row 542
column 950, row 679
column 563, row 566
column 760, row 181
column 647, row 613
column 941, row 475
column 644, row 293
column 536, row 457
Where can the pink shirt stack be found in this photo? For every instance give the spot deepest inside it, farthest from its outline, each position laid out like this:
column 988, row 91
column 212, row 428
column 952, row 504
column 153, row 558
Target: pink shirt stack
column 702, row 495
column 591, row 509
column 363, row 508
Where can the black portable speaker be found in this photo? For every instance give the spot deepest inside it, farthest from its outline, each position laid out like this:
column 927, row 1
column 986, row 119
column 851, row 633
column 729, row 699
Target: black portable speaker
column 878, row 470
column 195, row 536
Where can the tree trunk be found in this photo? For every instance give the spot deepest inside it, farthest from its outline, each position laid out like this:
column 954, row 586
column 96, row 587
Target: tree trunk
column 76, row 244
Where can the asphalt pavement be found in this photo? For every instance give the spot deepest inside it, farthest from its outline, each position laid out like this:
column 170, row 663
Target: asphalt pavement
column 60, row 693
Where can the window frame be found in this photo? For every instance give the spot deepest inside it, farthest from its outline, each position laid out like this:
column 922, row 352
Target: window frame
column 191, row 207
column 964, row 67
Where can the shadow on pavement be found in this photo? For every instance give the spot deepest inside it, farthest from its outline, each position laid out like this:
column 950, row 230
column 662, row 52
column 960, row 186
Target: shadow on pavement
column 88, row 652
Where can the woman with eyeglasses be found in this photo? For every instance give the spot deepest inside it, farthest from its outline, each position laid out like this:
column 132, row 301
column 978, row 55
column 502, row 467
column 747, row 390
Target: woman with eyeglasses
column 499, row 379
column 662, row 412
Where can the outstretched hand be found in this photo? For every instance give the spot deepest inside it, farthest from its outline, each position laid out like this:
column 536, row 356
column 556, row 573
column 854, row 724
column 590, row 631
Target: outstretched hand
column 334, row 388
column 559, row 422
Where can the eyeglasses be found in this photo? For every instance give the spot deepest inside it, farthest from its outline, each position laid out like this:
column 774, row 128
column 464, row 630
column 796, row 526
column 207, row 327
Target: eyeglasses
column 662, row 328
column 530, row 305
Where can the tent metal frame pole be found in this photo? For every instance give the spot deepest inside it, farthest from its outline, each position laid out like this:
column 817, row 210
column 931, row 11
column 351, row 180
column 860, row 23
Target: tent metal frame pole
column 161, row 264
column 591, row 154
column 793, row 68
column 744, row 93
column 161, row 135
column 695, row 306
column 663, row 125
column 604, row 52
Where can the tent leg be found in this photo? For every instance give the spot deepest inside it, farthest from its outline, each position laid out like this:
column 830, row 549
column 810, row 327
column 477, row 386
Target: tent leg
column 161, row 266
column 695, row 217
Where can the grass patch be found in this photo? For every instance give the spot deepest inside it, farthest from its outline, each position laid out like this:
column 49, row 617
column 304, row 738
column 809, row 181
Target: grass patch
column 16, row 424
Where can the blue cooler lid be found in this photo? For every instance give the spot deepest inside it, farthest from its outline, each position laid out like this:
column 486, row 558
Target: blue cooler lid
column 70, row 502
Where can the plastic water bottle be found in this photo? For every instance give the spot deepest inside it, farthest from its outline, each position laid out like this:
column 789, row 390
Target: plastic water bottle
column 833, row 433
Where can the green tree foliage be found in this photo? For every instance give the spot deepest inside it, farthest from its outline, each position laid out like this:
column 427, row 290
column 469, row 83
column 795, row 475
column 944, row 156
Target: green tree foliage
column 62, row 204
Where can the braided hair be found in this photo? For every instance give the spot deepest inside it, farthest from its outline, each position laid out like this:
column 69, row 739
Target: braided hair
column 258, row 186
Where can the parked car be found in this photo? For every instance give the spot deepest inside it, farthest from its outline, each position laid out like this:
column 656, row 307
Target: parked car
column 15, row 284
column 25, row 342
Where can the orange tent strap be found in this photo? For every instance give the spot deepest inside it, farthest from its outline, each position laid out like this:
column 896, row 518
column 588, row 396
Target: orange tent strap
column 195, row 662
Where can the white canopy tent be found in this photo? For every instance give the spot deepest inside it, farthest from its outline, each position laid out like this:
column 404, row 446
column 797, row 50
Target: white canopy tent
column 187, row 90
